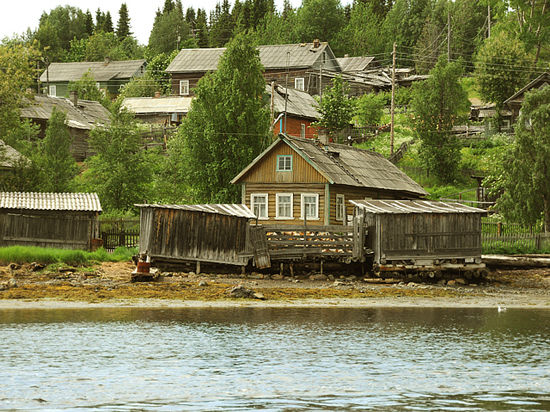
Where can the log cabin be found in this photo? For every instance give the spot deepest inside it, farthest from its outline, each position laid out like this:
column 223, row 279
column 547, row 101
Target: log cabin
column 296, row 180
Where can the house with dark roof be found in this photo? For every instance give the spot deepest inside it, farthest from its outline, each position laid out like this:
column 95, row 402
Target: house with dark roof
column 515, row 101
column 59, row 220
column 82, row 117
column 300, row 109
column 357, row 64
column 109, row 75
column 303, row 62
column 296, row 180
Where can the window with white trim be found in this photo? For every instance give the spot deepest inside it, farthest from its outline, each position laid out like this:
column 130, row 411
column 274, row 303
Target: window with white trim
column 284, row 205
column 310, row 206
column 340, row 207
column 98, row 85
column 52, row 90
column 284, row 163
column 258, row 204
column 302, row 130
column 184, row 87
column 299, row 83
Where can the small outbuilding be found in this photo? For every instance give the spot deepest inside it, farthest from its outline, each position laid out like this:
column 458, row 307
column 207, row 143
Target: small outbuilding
column 419, row 233
column 214, row 233
column 57, row 220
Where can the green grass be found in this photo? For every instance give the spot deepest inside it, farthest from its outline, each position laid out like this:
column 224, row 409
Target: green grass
column 28, row 254
column 515, row 248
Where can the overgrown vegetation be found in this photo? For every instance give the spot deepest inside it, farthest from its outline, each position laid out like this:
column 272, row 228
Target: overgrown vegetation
column 29, row 254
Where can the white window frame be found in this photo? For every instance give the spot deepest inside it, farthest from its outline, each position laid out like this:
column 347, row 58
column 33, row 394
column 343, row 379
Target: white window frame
column 184, row 87
column 302, row 206
column 253, row 203
column 340, row 208
column 98, row 85
column 277, row 166
column 302, row 130
column 300, row 83
column 52, row 90
column 277, row 215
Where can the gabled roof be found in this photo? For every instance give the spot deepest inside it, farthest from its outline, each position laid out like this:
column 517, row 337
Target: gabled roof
column 346, row 165
column 354, row 64
column 413, row 206
column 299, row 103
column 279, row 56
column 152, row 105
column 539, row 82
column 237, row 210
column 100, row 71
column 86, row 115
column 82, row 202
column 9, row 156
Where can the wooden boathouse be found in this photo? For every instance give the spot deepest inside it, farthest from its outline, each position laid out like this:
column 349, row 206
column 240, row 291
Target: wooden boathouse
column 420, row 233
column 213, row 233
column 57, row 220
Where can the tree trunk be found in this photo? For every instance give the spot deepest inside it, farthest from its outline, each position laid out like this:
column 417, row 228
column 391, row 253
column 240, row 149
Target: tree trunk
column 546, row 215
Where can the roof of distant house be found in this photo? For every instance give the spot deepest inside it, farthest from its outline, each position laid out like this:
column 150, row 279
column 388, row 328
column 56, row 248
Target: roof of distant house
column 9, row 156
column 237, row 210
column 354, row 64
column 299, row 103
column 86, row 115
column 346, row 165
column 278, row 56
column 100, row 71
column 153, row 105
column 543, row 79
column 83, row 202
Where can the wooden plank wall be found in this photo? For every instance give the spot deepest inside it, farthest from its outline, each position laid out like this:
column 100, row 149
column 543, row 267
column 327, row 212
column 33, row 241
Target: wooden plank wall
column 57, row 229
column 196, row 236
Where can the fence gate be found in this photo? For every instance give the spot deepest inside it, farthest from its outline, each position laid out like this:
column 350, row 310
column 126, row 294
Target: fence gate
column 262, row 259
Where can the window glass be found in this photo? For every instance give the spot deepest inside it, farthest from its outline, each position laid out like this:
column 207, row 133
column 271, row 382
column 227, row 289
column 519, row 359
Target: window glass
column 299, row 83
column 259, row 205
column 284, row 205
column 310, row 206
column 53, row 90
column 302, row 130
column 284, row 163
column 184, row 87
column 340, row 211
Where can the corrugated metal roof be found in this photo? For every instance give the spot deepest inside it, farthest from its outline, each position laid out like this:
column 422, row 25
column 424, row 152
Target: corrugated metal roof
column 86, row 115
column 82, row 202
column 299, row 103
column 100, row 71
column 540, row 81
column 413, row 206
column 143, row 105
column 300, row 55
column 348, row 165
column 354, row 64
column 9, row 156
column 238, row 210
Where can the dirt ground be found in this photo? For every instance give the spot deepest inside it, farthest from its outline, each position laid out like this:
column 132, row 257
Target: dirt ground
column 111, row 282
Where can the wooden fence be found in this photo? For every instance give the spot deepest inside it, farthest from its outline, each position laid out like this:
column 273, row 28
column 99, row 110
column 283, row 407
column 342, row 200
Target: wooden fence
column 119, row 233
column 499, row 234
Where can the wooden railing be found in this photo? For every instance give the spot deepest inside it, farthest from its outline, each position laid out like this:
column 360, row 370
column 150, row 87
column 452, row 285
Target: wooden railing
column 119, row 233
column 496, row 234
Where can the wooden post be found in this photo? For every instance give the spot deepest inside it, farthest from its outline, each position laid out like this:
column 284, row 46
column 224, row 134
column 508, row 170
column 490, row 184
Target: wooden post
column 291, row 266
column 198, row 267
column 281, row 269
column 321, row 266
column 448, row 33
column 392, row 101
column 499, row 229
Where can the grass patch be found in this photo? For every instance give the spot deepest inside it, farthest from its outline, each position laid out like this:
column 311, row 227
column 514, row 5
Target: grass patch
column 28, row 254
column 514, row 248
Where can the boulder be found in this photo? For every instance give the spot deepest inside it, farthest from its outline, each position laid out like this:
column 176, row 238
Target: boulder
column 241, row 292
column 318, row 276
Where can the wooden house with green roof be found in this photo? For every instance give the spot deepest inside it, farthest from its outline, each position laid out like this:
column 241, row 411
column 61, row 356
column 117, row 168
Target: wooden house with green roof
column 298, row 179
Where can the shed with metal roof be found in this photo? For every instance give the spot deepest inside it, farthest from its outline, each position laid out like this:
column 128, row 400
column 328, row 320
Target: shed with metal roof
column 415, row 233
column 209, row 233
column 58, row 220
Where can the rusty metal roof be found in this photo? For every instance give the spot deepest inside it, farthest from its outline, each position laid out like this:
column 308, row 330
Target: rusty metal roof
column 278, row 56
column 100, row 71
column 238, row 210
column 413, row 206
column 81, row 202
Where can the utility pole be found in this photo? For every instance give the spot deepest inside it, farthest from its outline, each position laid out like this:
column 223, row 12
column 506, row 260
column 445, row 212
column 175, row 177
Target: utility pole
column 392, row 109
column 448, row 33
column 488, row 20
column 286, row 84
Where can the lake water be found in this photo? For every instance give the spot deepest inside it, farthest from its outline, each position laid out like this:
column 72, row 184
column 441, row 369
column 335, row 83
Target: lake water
column 274, row 359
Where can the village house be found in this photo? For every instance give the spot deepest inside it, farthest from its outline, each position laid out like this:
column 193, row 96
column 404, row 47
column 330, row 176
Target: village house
column 9, row 158
column 296, row 180
column 300, row 108
column 302, row 63
column 109, row 75
column 159, row 110
column 515, row 101
column 82, row 117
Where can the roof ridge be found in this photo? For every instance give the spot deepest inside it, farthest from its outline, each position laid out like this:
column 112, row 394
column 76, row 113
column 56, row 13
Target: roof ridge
column 335, row 160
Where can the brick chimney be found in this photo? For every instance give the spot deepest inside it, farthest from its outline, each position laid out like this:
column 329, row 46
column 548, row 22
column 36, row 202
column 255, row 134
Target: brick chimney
column 157, row 94
column 316, row 43
column 73, row 97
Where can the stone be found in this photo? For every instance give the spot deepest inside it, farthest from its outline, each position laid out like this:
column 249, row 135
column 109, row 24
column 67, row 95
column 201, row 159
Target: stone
column 331, row 277
column 277, row 277
column 318, row 276
column 4, row 286
column 451, row 282
column 442, row 282
column 12, row 283
column 203, row 283
column 297, row 281
column 255, row 275
column 191, row 273
column 14, row 266
column 460, row 281
column 351, row 278
column 338, row 283
column 241, row 292
column 35, row 267
column 258, row 295
column 412, row 284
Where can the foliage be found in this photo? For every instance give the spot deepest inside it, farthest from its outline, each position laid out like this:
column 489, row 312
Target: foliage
column 500, row 67
column 362, row 34
column 221, row 24
column 369, row 109
column 404, row 22
column 143, row 86
column 170, row 30
column 226, row 128
column 336, row 108
column 86, row 89
column 54, row 159
column 319, row 19
column 524, row 178
column 156, row 67
column 123, row 25
column 120, row 171
column 437, row 104
column 28, row 254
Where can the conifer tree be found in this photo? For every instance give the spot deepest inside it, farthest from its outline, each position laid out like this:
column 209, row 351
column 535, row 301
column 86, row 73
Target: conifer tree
column 123, row 25
column 108, row 23
column 89, row 23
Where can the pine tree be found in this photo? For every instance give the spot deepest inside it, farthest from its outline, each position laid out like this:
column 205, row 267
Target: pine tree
column 108, row 23
column 123, row 25
column 99, row 20
column 201, row 29
column 89, row 23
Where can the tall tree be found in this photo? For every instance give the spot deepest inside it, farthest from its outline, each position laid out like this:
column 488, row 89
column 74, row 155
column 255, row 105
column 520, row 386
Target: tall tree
column 56, row 164
column 320, row 19
column 336, row 107
column 123, row 25
column 526, row 170
column 108, row 23
column 201, row 29
column 170, row 31
column 89, row 23
column 362, row 34
column 404, row 22
column 221, row 24
column 227, row 127
column 438, row 103
column 533, row 19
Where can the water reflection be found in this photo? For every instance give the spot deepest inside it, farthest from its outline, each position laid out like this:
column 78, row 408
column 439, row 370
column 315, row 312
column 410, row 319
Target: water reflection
column 274, row 358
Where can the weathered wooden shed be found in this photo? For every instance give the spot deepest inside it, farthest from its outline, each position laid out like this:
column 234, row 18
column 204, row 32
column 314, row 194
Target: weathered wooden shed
column 214, row 233
column 420, row 232
column 59, row 220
